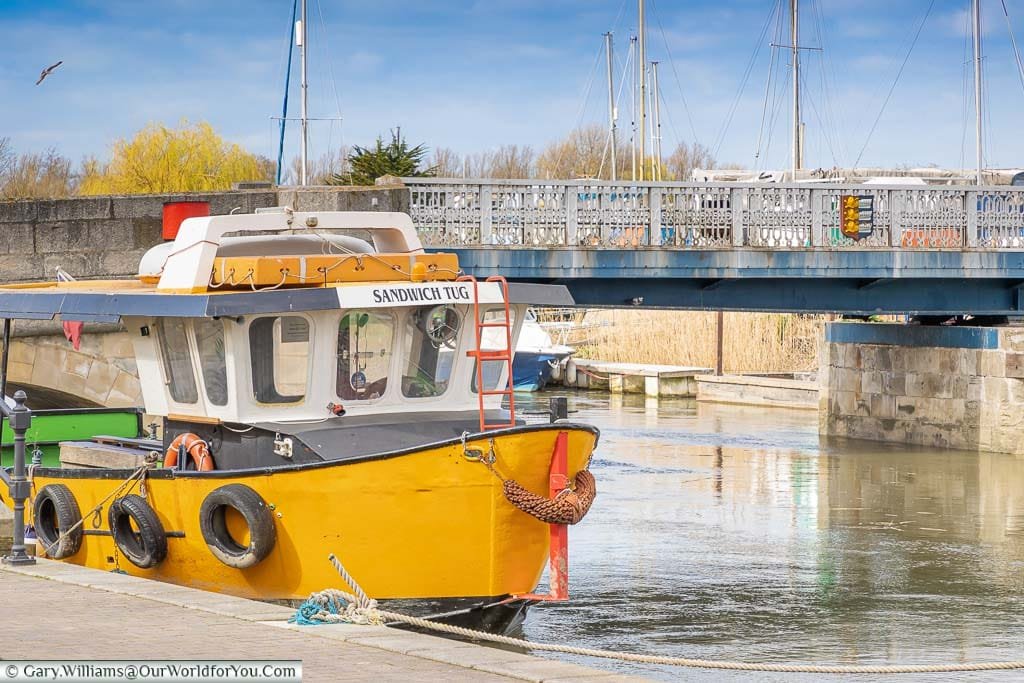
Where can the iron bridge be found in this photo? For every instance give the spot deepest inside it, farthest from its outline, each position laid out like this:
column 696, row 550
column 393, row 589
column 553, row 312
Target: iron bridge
column 933, row 249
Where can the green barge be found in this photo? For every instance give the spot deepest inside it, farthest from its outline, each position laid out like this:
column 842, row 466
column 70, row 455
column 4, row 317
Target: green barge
column 52, row 426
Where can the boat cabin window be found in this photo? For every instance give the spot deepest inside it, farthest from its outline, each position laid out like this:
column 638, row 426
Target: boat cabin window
column 493, row 339
column 181, row 380
column 212, row 363
column 431, row 336
column 279, row 347
column 364, row 354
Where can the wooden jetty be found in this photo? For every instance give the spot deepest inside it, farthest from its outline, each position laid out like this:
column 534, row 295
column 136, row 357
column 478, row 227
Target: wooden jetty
column 759, row 390
column 630, row 378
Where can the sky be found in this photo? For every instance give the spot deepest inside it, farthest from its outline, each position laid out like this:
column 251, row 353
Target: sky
column 474, row 74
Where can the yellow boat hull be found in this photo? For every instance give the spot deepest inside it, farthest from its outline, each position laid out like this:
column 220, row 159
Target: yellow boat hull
column 426, row 523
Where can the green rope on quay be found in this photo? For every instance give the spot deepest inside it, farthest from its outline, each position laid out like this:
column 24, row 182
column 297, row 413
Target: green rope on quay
column 333, row 606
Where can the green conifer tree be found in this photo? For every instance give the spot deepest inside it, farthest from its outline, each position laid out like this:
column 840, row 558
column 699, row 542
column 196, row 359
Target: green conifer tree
column 396, row 158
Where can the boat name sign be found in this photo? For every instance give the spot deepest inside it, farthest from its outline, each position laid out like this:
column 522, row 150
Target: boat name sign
column 415, row 294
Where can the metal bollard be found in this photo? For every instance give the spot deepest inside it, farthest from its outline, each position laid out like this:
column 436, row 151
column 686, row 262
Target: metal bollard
column 21, row 419
column 558, row 407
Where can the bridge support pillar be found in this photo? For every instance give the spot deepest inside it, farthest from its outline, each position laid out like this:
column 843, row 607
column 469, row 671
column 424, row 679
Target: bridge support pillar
column 942, row 387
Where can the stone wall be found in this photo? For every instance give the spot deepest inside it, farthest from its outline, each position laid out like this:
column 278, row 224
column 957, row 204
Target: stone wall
column 942, row 387
column 96, row 237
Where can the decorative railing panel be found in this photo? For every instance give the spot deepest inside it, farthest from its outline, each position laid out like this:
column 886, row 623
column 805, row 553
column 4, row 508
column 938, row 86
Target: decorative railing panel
column 696, row 217
column 446, row 215
column 1000, row 220
column 932, row 219
column 527, row 215
column 589, row 213
column 778, row 217
column 612, row 215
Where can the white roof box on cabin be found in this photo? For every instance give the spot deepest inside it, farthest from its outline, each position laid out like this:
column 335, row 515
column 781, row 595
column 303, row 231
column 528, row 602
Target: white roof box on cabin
column 185, row 263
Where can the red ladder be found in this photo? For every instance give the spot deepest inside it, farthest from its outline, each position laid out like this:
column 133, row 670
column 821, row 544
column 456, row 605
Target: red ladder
column 482, row 355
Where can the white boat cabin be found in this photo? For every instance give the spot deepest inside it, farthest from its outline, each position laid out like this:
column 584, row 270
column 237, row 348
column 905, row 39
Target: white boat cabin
column 400, row 347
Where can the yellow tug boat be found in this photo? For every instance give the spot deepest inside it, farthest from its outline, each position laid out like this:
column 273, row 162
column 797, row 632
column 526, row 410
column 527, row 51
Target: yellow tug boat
column 325, row 387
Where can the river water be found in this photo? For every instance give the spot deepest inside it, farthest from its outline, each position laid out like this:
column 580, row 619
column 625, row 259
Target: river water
column 726, row 532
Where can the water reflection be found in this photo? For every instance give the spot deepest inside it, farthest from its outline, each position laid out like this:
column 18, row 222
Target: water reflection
column 734, row 533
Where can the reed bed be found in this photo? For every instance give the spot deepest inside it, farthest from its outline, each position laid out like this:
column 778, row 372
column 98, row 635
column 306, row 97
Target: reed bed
column 752, row 342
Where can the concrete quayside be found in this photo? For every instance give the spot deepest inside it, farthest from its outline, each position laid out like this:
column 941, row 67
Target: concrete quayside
column 211, row 626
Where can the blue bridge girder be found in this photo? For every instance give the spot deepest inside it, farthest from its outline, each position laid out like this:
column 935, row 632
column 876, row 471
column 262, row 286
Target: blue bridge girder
column 927, row 282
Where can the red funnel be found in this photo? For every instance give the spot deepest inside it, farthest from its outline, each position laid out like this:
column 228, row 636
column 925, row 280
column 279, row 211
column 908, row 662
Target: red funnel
column 176, row 212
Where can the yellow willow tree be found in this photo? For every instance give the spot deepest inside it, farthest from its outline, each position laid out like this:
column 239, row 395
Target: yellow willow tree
column 161, row 159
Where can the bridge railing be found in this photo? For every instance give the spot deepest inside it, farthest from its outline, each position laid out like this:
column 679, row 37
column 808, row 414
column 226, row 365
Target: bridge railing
column 588, row 213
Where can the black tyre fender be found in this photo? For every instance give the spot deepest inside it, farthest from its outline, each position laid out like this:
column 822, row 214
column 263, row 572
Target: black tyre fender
column 145, row 548
column 258, row 517
column 54, row 512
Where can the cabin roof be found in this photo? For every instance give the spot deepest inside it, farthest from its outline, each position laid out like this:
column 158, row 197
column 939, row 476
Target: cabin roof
column 109, row 300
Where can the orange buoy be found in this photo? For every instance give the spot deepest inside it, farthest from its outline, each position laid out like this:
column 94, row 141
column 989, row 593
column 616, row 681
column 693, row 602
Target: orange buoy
column 196, row 448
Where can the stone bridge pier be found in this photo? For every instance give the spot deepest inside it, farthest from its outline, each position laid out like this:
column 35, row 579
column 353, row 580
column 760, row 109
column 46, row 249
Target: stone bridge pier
column 101, row 372
column 944, row 387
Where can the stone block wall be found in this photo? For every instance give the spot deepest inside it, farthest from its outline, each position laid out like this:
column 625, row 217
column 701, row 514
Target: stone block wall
column 942, row 387
column 104, row 237
column 378, row 198
column 102, row 371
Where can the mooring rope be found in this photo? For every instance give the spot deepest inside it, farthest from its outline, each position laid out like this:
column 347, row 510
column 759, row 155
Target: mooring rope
column 324, row 608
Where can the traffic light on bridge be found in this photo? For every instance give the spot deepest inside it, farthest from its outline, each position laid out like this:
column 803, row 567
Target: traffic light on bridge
column 856, row 215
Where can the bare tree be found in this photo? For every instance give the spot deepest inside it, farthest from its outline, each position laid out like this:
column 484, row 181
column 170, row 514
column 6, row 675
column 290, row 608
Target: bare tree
column 39, row 175
column 578, row 155
column 586, row 153
column 319, row 170
column 506, row 161
column 448, row 162
column 477, row 165
column 511, row 161
column 686, row 157
column 267, row 168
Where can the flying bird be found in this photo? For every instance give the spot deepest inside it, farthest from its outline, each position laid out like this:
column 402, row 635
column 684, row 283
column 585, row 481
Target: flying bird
column 47, row 71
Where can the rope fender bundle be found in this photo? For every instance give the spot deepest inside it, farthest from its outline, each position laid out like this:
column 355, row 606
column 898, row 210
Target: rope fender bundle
column 568, row 507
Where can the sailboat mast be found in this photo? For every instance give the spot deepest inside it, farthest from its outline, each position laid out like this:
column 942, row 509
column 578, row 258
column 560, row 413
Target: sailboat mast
column 611, row 103
column 656, row 130
column 287, row 87
column 300, row 35
column 978, row 112
column 642, row 65
column 798, row 160
column 633, row 105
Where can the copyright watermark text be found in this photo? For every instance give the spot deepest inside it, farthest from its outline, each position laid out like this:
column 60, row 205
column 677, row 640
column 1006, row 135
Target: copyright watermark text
column 158, row 671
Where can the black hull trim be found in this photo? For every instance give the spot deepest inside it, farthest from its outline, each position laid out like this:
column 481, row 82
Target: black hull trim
column 165, row 473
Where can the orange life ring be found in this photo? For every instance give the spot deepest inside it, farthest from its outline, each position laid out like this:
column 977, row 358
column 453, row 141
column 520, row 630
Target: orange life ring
column 197, row 449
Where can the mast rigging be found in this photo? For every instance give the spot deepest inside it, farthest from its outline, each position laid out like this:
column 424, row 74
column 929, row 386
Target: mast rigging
column 300, row 37
column 978, row 110
column 611, row 104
